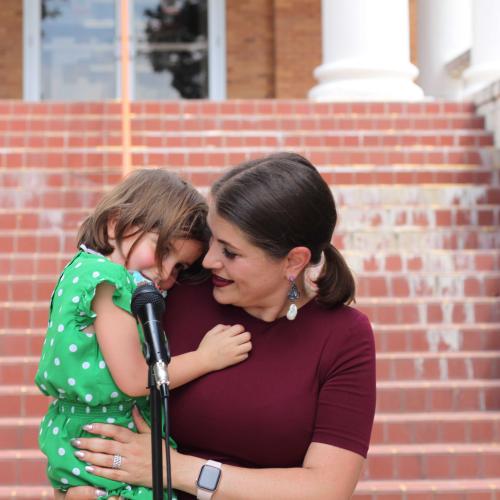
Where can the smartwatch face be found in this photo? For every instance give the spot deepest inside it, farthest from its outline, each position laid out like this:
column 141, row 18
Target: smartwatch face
column 209, row 477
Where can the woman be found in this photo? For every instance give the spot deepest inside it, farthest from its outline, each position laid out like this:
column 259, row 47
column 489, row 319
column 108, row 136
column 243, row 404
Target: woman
column 294, row 420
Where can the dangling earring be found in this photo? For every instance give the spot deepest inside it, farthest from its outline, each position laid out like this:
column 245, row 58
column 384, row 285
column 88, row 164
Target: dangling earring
column 293, row 296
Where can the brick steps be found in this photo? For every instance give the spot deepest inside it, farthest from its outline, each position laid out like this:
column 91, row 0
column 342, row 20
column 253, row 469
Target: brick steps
column 424, row 366
column 25, row 467
column 204, row 157
column 438, row 395
column 429, row 281
column 54, row 182
column 201, row 122
column 287, row 106
column 442, row 338
column 25, row 492
column 46, row 207
column 417, row 311
column 29, row 286
column 432, row 461
column 419, row 239
column 401, row 462
column 416, row 238
column 436, row 427
column 19, row 433
column 223, row 139
column 432, row 261
column 390, row 429
column 352, row 217
column 465, row 489
column 203, row 176
column 388, row 338
column 396, row 397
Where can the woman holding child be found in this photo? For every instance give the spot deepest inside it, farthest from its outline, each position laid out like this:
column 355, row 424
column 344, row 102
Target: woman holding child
column 294, row 419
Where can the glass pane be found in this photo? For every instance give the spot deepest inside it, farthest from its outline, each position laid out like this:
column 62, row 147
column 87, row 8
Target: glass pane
column 171, row 42
column 78, row 49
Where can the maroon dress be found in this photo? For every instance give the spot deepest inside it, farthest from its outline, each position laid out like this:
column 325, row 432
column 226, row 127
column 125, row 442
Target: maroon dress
column 311, row 379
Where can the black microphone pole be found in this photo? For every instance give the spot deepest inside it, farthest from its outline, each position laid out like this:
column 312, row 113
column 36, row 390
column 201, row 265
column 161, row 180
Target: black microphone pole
column 148, row 306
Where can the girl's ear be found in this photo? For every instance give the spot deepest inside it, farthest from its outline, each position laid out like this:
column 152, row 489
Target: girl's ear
column 111, row 228
column 297, row 260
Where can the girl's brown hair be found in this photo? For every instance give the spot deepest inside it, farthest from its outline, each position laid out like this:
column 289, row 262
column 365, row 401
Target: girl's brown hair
column 148, row 201
column 281, row 202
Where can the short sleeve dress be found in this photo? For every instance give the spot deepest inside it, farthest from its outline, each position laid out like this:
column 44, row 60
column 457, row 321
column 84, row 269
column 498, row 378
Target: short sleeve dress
column 72, row 370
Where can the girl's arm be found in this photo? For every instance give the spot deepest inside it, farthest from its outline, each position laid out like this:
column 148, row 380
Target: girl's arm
column 119, row 342
column 118, row 339
column 327, row 472
column 221, row 347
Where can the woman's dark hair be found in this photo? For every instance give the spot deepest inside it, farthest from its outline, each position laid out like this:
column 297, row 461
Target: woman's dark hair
column 149, row 200
column 281, row 202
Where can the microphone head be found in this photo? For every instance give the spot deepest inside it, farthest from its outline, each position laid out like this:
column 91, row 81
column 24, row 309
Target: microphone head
column 147, row 294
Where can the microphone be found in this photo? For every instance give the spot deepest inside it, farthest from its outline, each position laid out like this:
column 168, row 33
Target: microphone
column 148, row 307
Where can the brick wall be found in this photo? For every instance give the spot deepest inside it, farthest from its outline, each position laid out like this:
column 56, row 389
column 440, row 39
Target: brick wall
column 11, row 49
column 250, row 49
column 272, row 47
column 297, row 28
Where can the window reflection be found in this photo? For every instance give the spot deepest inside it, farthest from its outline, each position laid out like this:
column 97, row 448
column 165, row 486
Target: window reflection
column 78, row 49
column 172, row 49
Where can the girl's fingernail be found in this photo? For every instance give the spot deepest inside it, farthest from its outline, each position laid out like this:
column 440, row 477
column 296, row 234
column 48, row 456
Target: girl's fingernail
column 76, row 443
column 88, row 427
column 89, row 468
column 100, row 493
column 79, row 454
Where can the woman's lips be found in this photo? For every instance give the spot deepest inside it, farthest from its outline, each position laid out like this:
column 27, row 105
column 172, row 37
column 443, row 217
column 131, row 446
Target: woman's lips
column 220, row 282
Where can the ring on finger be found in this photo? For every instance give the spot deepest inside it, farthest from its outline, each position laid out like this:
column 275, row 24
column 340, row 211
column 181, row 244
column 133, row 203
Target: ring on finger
column 117, row 462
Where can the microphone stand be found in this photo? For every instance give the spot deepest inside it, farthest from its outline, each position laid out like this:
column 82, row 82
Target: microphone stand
column 158, row 393
column 148, row 306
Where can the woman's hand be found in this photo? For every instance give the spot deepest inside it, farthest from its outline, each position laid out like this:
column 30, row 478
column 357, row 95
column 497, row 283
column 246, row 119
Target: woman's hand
column 134, row 449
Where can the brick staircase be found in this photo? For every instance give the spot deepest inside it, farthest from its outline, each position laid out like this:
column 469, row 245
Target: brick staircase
column 419, row 199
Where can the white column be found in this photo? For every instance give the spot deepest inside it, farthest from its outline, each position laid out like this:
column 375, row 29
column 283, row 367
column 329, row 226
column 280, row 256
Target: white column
column 444, row 30
column 485, row 53
column 366, row 52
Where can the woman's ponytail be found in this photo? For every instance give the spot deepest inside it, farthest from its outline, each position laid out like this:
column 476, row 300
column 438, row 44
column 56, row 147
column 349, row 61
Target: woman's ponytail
column 335, row 283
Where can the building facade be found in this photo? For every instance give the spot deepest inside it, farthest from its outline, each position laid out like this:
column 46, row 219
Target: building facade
column 218, row 49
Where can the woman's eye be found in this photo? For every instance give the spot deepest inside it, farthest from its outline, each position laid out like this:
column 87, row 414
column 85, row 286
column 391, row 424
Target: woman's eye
column 228, row 254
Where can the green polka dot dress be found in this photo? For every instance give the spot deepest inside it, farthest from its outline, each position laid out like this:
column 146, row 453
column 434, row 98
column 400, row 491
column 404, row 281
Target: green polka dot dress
column 72, row 370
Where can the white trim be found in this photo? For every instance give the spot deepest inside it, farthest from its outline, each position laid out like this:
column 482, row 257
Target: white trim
column 217, row 50
column 31, row 50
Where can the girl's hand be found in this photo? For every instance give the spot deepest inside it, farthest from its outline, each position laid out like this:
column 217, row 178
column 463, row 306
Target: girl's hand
column 224, row 346
column 134, row 448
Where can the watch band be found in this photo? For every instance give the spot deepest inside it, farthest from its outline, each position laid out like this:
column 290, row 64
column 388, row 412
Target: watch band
column 201, row 493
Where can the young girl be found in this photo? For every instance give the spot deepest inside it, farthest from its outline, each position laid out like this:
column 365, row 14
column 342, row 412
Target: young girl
column 153, row 223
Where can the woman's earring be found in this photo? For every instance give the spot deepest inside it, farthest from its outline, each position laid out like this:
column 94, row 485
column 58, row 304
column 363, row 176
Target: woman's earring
column 293, row 296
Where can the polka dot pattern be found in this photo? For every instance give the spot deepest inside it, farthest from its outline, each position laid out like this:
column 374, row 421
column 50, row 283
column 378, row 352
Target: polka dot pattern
column 72, row 368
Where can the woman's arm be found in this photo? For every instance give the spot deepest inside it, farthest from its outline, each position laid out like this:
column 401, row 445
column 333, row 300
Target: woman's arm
column 328, row 472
